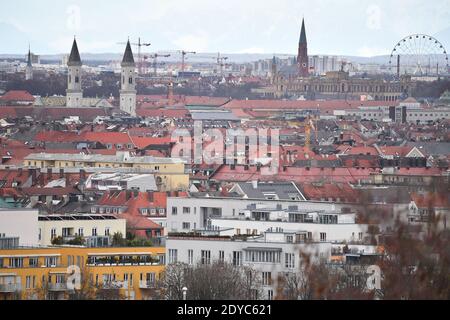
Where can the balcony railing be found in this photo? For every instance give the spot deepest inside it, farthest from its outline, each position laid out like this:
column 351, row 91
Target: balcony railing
column 57, row 286
column 112, row 285
column 146, row 284
column 9, row 287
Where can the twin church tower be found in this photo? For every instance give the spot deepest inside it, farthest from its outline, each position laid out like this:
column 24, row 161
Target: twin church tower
column 128, row 92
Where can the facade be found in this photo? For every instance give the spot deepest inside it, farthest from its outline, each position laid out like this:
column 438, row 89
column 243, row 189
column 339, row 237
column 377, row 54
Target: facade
column 272, row 255
column 74, row 94
column 339, row 85
column 128, row 82
column 90, row 227
column 169, row 172
column 38, row 273
column 411, row 112
column 21, row 224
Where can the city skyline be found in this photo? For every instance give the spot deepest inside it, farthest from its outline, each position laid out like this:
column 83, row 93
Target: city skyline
column 367, row 29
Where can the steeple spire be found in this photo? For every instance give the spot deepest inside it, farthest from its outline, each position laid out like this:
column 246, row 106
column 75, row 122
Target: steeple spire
column 29, row 56
column 74, row 58
column 128, row 59
column 303, row 32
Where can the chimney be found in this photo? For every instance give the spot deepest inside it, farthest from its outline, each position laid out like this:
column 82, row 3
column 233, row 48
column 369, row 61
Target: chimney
column 61, row 173
column 255, row 184
column 19, row 172
column 49, row 174
column 33, row 176
column 67, row 179
column 82, row 174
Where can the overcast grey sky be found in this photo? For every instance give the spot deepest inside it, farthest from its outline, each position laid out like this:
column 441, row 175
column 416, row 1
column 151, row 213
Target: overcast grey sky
column 350, row 27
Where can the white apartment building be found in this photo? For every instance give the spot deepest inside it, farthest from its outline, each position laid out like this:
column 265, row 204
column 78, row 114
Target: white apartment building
column 21, row 224
column 194, row 212
column 273, row 255
column 91, row 227
column 323, row 220
column 121, row 181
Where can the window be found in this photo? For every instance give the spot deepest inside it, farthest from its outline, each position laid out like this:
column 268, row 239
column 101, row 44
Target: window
column 107, row 231
column 16, row 262
column 237, row 258
column 174, row 211
column 323, row 236
column 173, row 256
column 190, row 257
column 289, row 260
column 130, row 80
column 53, row 233
column 221, row 256
column 206, row 257
column 360, row 236
column 77, row 79
column 94, row 232
column 51, row 262
column 266, row 278
column 186, row 225
column 33, row 262
column 270, row 294
column 40, row 234
column 186, row 210
column 28, row 282
column 81, row 232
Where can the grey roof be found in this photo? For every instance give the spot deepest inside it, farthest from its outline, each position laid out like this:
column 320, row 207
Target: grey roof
column 283, row 190
column 74, row 58
column 432, row 148
column 118, row 158
column 216, row 115
column 128, row 59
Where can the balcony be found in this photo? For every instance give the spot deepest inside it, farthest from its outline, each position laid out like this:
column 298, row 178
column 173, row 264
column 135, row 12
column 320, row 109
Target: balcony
column 112, row 285
column 146, row 284
column 57, row 287
column 9, row 287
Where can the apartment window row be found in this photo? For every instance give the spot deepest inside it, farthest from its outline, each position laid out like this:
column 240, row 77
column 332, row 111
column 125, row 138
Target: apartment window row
column 67, row 232
column 263, row 256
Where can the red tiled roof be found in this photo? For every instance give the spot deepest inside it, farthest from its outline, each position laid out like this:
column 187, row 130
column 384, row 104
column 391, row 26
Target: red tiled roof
column 17, row 95
column 431, row 200
column 300, row 104
column 317, row 192
column 298, row 175
column 163, row 113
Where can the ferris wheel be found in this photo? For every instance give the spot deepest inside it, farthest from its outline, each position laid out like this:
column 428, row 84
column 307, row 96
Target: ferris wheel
column 419, row 55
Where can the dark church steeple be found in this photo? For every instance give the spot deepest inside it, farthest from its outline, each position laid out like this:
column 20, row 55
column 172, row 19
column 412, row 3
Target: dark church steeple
column 302, row 58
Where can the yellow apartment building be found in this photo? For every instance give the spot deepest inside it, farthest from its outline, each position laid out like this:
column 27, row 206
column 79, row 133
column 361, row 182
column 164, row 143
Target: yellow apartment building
column 169, row 173
column 42, row 273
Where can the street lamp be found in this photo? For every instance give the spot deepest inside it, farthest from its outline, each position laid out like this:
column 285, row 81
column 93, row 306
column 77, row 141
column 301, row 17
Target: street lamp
column 184, row 292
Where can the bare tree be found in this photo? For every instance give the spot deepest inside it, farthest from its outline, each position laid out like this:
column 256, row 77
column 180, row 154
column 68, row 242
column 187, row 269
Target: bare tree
column 215, row 281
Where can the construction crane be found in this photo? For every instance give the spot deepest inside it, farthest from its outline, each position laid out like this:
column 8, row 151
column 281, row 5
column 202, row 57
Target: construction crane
column 139, row 45
column 309, row 124
column 183, row 58
column 221, row 62
column 155, row 61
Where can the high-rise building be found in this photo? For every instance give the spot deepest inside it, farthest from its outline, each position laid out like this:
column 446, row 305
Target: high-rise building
column 74, row 92
column 128, row 82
